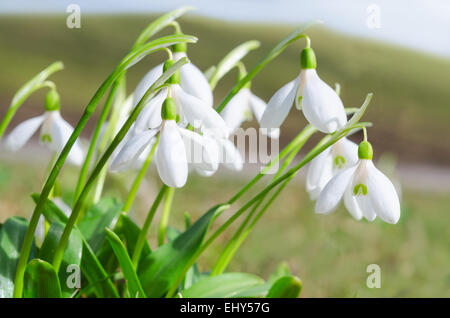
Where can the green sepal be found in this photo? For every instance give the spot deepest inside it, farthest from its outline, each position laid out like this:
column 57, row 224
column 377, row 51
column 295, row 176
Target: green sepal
column 175, row 78
column 365, row 150
column 52, row 101
column 169, row 109
column 308, row 58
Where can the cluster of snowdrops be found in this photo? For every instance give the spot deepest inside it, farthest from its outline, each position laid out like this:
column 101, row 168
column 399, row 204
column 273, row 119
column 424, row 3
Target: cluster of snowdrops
column 169, row 117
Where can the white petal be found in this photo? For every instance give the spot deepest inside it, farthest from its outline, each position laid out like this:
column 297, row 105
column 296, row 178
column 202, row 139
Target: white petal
column 333, row 192
column 195, row 83
column 321, row 105
column 349, row 151
column 279, row 105
column 131, row 150
column 301, row 87
column 150, row 116
column 257, row 105
column 146, row 82
column 366, row 207
column 61, row 131
column 234, row 112
column 201, row 152
column 199, row 114
column 62, row 205
column 22, row 133
column 382, row 194
column 171, row 159
column 231, row 156
column 319, row 173
column 351, row 204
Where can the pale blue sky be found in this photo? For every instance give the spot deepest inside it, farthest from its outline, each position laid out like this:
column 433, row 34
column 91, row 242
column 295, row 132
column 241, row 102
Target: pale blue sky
column 419, row 24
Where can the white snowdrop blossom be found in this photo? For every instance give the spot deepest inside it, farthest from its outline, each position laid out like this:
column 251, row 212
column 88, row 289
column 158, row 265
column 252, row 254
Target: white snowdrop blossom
column 190, row 109
column 177, row 150
column 320, row 104
column 341, row 155
column 241, row 107
column 54, row 132
column 192, row 81
column 366, row 191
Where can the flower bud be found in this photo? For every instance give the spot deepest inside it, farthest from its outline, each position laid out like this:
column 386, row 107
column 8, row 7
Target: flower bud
column 52, row 100
column 308, row 58
column 169, row 109
column 365, row 150
column 175, row 78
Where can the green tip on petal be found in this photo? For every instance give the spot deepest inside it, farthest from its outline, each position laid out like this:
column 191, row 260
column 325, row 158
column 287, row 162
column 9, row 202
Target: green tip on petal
column 308, row 58
column 365, row 150
column 52, row 100
column 169, row 110
column 175, row 78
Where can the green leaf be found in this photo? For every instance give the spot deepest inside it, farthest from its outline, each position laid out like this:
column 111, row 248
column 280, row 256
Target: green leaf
column 134, row 286
column 12, row 234
column 72, row 255
column 51, row 212
column 295, row 35
column 281, row 270
column 286, row 287
column 230, row 60
column 128, row 232
column 222, row 286
column 162, row 268
column 41, row 280
column 96, row 275
column 160, row 24
column 91, row 267
column 101, row 215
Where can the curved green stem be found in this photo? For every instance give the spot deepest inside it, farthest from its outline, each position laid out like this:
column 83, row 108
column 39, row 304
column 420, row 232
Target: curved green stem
column 300, row 138
column 280, row 47
column 104, row 114
column 235, row 242
column 137, row 181
column 165, row 216
column 37, row 82
column 148, row 221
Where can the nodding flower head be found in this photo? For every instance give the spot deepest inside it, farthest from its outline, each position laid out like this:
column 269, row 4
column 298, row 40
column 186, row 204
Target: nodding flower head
column 366, row 191
column 54, row 133
column 320, row 104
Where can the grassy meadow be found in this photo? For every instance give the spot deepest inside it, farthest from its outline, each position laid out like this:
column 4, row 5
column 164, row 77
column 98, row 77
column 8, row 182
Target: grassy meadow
column 410, row 111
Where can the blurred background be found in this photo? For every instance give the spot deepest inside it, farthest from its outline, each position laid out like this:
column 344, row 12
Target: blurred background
column 399, row 50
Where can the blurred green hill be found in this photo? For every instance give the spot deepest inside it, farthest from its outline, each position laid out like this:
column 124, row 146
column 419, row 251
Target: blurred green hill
column 410, row 109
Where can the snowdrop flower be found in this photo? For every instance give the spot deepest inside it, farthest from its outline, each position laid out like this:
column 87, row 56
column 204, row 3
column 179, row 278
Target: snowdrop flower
column 367, row 192
column 190, row 109
column 178, row 149
column 224, row 153
column 241, row 107
column 55, row 131
column 341, row 155
column 192, row 80
column 320, row 104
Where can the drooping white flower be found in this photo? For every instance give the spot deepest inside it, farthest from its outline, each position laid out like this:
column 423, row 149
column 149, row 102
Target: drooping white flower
column 341, row 155
column 178, row 148
column 320, row 104
column 190, row 109
column 54, row 133
column 192, row 81
column 241, row 107
column 366, row 191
